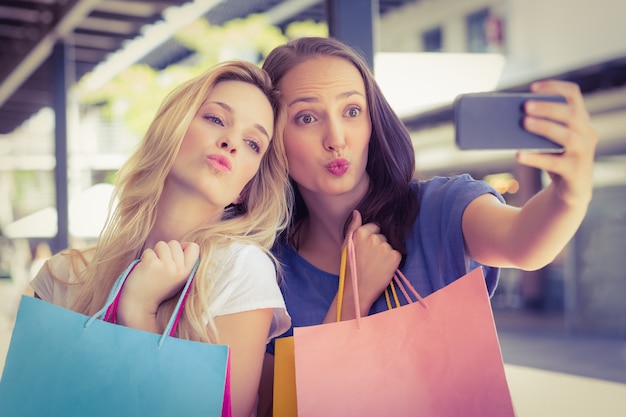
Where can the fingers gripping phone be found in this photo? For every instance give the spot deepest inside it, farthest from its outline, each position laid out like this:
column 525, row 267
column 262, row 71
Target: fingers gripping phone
column 494, row 121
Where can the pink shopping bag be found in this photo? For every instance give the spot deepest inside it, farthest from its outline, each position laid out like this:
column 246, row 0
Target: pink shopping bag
column 439, row 357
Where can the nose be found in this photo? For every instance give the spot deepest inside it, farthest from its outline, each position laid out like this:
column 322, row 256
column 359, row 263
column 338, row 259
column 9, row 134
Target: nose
column 226, row 144
column 334, row 140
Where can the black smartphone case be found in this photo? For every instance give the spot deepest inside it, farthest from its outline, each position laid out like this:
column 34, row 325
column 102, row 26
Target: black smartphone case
column 494, row 121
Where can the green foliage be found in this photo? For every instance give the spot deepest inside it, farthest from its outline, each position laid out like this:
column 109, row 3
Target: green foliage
column 38, row 186
column 110, row 177
column 21, row 180
column 239, row 38
column 307, row 28
column 135, row 94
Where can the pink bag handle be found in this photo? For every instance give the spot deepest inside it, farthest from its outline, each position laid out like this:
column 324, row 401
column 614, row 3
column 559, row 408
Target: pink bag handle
column 111, row 313
column 401, row 281
column 355, row 289
column 110, row 307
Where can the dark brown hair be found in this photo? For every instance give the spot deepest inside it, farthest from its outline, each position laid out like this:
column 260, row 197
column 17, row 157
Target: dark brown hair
column 389, row 202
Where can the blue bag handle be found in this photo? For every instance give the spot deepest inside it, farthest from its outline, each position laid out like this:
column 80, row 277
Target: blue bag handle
column 119, row 283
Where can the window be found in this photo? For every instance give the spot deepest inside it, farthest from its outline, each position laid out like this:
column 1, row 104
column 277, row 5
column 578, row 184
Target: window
column 476, row 39
column 431, row 40
column 484, row 32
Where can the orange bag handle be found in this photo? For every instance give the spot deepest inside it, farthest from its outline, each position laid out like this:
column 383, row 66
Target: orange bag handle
column 342, row 281
column 398, row 277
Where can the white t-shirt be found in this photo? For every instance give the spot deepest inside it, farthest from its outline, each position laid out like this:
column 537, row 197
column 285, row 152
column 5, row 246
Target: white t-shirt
column 247, row 281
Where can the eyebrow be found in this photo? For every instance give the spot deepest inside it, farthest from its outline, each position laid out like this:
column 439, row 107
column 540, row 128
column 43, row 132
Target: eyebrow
column 229, row 109
column 305, row 99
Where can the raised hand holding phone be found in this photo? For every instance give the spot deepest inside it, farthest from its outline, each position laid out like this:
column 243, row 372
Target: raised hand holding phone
column 539, row 229
column 570, row 126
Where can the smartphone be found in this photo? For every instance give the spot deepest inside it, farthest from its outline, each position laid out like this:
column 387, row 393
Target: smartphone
column 494, row 121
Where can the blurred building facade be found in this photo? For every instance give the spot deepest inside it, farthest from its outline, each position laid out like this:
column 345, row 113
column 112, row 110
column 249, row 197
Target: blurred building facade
column 537, row 39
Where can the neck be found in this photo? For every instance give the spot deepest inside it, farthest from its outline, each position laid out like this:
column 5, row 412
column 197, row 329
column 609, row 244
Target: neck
column 177, row 217
column 325, row 225
column 321, row 235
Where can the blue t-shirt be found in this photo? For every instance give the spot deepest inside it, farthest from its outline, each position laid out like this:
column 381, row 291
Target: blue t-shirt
column 435, row 253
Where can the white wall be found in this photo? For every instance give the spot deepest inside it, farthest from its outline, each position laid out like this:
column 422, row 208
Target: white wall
column 401, row 29
column 543, row 37
column 553, row 36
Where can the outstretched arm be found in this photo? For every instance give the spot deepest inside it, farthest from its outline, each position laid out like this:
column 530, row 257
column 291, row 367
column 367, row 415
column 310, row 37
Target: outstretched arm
column 532, row 236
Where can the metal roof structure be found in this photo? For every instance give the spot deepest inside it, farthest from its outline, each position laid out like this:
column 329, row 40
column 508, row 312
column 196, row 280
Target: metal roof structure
column 94, row 29
column 29, row 30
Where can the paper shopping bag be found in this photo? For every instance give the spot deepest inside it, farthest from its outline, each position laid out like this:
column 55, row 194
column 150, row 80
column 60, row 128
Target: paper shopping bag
column 436, row 358
column 284, row 396
column 62, row 363
column 284, row 379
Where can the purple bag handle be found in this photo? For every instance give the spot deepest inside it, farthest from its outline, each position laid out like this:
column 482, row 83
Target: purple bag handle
column 109, row 311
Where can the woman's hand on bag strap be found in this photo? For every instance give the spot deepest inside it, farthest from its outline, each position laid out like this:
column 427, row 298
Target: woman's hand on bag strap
column 161, row 273
column 376, row 262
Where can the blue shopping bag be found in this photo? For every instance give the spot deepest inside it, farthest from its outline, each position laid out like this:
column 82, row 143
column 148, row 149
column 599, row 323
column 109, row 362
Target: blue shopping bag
column 62, row 363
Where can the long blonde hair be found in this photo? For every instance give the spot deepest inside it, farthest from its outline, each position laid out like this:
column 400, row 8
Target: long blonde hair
column 264, row 212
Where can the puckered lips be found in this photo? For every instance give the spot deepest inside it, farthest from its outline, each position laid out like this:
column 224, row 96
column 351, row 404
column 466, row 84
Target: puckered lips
column 219, row 162
column 338, row 166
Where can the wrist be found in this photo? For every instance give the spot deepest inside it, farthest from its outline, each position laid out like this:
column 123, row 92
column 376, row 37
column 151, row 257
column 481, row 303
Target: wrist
column 569, row 201
column 349, row 305
column 136, row 315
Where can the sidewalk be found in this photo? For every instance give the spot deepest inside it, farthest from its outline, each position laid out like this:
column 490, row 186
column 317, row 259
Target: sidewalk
column 539, row 393
column 539, row 340
column 553, row 374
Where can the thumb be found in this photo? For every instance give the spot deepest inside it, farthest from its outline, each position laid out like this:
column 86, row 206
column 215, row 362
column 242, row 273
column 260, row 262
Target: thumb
column 191, row 253
column 355, row 223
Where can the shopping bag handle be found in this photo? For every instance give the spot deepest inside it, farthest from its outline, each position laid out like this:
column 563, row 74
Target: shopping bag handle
column 403, row 283
column 398, row 277
column 170, row 328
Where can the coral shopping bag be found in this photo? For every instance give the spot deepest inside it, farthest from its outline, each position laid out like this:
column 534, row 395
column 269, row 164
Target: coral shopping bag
column 62, row 363
column 284, row 395
column 438, row 357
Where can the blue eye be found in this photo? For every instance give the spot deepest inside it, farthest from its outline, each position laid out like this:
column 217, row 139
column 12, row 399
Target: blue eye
column 254, row 145
column 305, row 118
column 214, row 119
column 353, row 112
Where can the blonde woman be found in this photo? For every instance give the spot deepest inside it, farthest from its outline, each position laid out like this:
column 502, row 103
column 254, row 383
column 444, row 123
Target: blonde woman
column 209, row 181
